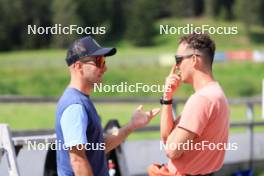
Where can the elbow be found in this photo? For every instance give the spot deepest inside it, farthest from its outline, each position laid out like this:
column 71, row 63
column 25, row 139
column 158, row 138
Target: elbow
column 77, row 162
column 164, row 139
column 173, row 154
column 164, row 134
column 108, row 150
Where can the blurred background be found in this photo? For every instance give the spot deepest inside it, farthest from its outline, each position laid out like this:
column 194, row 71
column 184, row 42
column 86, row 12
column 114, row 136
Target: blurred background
column 33, row 72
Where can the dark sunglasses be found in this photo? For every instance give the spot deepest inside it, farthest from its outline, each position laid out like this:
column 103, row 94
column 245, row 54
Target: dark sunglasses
column 179, row 58
column 99, row 61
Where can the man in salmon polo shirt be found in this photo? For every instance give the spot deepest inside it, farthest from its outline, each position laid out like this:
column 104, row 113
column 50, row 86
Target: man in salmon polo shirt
column 195, row 142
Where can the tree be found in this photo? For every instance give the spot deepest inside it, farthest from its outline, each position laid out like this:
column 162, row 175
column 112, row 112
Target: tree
column 36, row 13
column 91, row 13
column 216, row 8
column 140, row 26
column 11, row 19
column 165, row 9
column 182, row 8
column 115, row 11
column 64, row 13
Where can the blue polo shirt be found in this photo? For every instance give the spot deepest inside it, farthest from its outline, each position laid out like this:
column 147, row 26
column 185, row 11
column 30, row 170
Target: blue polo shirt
column 77, row 122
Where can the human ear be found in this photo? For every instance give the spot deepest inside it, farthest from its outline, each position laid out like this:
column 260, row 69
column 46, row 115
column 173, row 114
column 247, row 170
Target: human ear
column 195, row 61
column 78, row 66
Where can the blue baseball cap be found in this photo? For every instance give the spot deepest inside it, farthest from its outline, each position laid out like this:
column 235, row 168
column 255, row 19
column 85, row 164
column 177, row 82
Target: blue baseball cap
column 86, row 47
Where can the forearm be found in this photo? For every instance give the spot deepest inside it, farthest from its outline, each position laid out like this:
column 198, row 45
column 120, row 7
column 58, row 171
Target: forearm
column 166, row 122
column 113, row 140
column 81, row 168
column 80, row 163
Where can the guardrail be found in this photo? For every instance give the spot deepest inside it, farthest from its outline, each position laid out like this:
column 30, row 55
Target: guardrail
column 12, row 142
column 25, row 99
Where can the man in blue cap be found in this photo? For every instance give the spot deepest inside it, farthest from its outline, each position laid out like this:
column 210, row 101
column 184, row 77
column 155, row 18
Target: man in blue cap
column 78, row 127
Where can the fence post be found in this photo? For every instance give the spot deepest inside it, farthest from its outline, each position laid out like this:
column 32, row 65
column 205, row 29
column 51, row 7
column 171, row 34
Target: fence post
column 262, row 99
column 250, row 116
column 6, row 144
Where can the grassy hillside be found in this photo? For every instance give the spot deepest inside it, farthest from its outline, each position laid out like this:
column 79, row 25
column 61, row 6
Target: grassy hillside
column 48, row 78
column 44, row 72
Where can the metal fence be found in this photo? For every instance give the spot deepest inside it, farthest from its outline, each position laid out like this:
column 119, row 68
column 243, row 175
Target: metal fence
column 11, row 143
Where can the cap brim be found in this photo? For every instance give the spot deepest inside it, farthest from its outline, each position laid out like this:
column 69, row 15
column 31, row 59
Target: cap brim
column 104, row 52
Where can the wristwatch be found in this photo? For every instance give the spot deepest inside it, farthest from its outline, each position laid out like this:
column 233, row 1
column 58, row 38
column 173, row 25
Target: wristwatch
column 166, row 102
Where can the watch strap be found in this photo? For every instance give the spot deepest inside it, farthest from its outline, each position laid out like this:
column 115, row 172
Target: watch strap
column 166, row 102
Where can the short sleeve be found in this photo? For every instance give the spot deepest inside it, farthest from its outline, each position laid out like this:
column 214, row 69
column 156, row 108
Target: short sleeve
column 195, row 114
column 74, row 123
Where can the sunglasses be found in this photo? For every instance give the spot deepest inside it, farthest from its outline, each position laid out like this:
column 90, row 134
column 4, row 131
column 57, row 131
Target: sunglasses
column 98, row 61
column 179, row 58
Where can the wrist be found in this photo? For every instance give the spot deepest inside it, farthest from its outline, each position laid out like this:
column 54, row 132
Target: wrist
column 130, row 127
column 167, row 96
column 165, row 101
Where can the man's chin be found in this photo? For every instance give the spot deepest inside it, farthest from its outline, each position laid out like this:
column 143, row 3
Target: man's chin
column 98, row 82
column 100, row 79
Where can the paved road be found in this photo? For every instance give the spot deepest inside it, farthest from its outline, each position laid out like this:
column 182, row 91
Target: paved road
column 139, row 155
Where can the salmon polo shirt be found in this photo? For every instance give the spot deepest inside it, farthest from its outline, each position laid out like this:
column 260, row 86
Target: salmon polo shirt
column 206, row 114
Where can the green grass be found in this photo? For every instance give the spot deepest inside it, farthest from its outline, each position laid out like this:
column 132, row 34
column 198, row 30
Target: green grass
column 44, row 72
column 240, row 79
column 28, row 116
column 39, row 116
column 237, row 79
